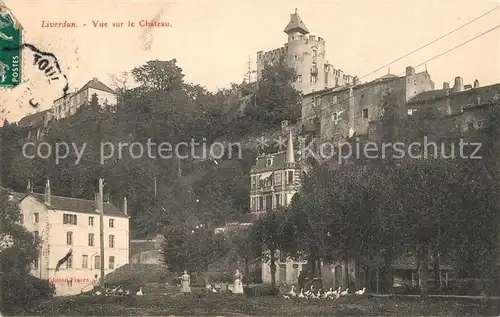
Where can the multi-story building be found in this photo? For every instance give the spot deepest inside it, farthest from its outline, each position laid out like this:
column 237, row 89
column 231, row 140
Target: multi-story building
column 338, row 113
column 36, row 125
column 275, row 179
column 67, row 106
column 307, row 55
column 64, row 224
column 466, row 106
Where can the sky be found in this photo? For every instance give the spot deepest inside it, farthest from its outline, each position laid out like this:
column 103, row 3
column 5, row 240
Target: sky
column 214, row 40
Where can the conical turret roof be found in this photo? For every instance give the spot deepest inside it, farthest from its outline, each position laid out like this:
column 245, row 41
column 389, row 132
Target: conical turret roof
column 296, row 24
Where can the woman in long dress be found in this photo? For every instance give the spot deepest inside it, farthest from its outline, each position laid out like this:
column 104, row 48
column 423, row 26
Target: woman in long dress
column 185, row 283
column 238, row 285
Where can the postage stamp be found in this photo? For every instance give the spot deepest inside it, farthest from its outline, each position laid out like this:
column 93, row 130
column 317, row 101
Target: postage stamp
column 11, row 35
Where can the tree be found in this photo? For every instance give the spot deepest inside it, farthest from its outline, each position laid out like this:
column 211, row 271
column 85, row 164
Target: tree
column 276, row 98
column 266, row 237
column 159, row 75
column 193, row 249
column 18, row 251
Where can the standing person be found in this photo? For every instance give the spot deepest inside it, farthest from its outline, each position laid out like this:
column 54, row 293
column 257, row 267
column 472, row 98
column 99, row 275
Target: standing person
column 238, row 284
column 185, row 283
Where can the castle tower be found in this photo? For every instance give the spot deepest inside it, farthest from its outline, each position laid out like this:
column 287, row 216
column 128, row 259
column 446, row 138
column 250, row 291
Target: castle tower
column 306, row 54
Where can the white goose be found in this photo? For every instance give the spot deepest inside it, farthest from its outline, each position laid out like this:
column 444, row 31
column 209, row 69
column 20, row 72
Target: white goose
column 344, row 293
column 329, row 292
column 301, row 294
column 361, row 291
column 292, row 292
column 139, row 292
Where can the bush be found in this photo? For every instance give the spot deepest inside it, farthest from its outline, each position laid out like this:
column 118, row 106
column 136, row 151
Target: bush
column 20, row 290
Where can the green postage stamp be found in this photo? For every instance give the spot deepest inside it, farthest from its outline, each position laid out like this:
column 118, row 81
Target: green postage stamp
column 10, row 59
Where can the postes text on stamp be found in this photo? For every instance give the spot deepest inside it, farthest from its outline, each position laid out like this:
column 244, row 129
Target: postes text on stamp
column 10, row 60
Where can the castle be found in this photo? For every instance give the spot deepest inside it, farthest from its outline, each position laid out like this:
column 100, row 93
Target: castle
column 306, row 54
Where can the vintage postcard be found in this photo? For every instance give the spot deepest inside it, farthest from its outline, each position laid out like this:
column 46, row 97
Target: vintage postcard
column 240, row 158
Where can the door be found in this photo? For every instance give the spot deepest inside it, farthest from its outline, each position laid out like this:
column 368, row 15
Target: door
column 282, row 273
column 338, row 276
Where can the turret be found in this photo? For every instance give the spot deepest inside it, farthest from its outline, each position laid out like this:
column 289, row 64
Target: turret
column 296, row 25
column 47, row 192
column 290, row 153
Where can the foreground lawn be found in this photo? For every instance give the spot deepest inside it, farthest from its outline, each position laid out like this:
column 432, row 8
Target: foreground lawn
column 226, row 304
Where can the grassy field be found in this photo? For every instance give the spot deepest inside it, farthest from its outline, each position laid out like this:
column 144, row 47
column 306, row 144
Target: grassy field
column 203, row 304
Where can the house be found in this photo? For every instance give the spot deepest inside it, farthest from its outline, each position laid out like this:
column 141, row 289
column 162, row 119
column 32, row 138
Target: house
column 67, row 106
column 36, row 125
column 65, row 223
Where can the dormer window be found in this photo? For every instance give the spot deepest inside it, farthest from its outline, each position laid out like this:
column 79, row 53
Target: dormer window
column 269, row 161
column 314, row 53
column 335, row 116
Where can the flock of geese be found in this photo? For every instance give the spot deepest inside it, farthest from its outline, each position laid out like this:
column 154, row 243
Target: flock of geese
column 330, row 294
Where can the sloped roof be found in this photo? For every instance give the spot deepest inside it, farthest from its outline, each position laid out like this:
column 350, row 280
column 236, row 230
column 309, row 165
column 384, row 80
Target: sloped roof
column 296, row 24
column 74, row 204
column 96, row 84
column 487, row 93
column 33, row 119
column 429, row 95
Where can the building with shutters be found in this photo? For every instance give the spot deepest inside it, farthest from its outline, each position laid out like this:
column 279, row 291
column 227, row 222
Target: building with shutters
column 64, row 223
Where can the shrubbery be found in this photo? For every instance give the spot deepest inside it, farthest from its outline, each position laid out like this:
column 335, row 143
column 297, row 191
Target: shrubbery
column 18, row 291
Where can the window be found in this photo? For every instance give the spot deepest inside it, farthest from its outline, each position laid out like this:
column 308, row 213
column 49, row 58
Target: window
column 69, row 238
column 111, row 262
column 91, row 221
column 314, row 79
column 470, row 126
column 35, row 263
column 278, row 200
column 21, row 218
column 37, row 217
column 315, row 53
column 97, row 262
column 478, row 100
column 295, row 57
column 299, row 78
column 69, row 263
column 91, row 239
column 85, row 261
column 269, row 202
column 269, row 161
column 290, row 177
column 365, row 113
column 111, row 241
column 69, row 219
column 69, row 282
column 37, row 234
column 335, row 116
column 261, row 203
column 111, row 223
column 277, row 178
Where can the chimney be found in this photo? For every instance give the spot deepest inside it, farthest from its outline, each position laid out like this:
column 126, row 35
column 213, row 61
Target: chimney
column 476, row 83
column 446, row 85
column 29, row 187
column 459, row 84
column 125, row 211
column 94, row 79
column 410, row 71
column 290, row 153
column 47, row 192
column 355, row 80
column 96, row 202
